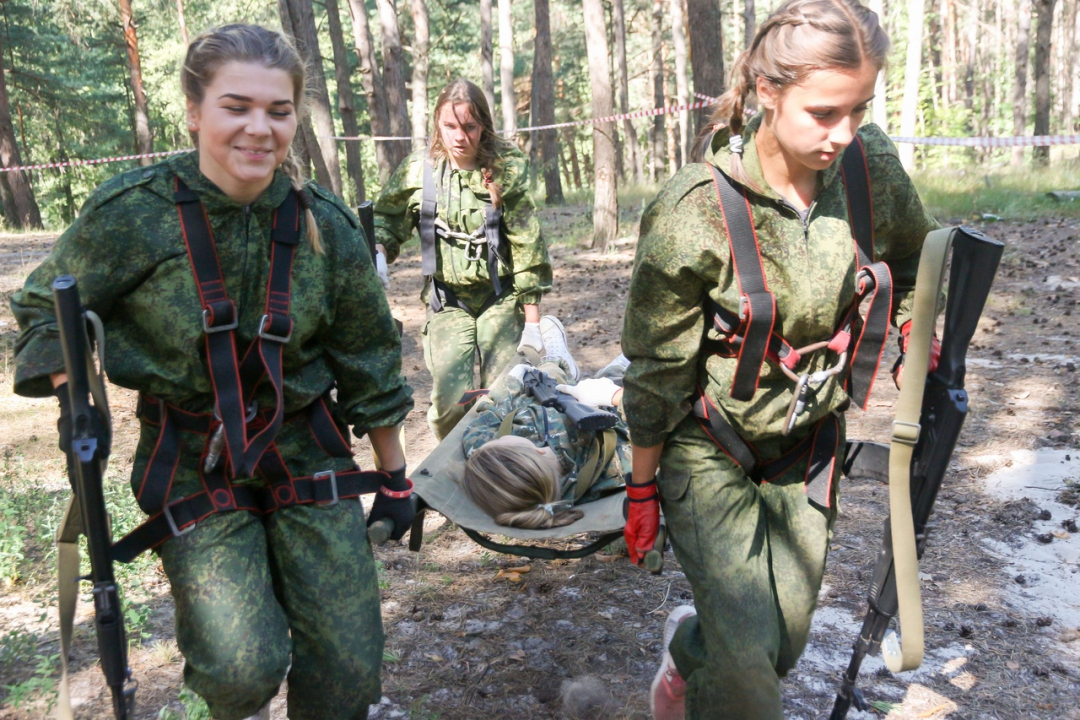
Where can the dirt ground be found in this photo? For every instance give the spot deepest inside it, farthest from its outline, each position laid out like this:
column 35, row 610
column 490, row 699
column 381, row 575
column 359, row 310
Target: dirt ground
column 465, row 642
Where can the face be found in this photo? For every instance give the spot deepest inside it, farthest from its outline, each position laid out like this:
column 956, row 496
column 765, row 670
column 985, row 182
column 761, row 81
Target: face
column 816, row 119
column 460, row 133
column 246, row 122
column 548, row 458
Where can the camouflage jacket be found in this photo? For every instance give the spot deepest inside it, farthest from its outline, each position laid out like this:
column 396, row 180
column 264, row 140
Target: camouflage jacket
column 683, row 260
column 461, row 204
column 548, row 427
column 127, row 251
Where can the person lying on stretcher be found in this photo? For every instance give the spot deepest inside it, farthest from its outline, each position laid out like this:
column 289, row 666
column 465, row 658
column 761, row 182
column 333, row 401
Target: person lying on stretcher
column 526, row 464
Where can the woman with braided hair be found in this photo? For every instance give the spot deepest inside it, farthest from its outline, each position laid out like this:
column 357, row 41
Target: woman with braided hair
column 243, row 305
column 745, row 343
column 485, row 262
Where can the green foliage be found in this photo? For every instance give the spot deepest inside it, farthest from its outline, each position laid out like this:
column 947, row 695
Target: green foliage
column 1005, row 193
column 12, row 535
column 19, row 650
column 192, row 707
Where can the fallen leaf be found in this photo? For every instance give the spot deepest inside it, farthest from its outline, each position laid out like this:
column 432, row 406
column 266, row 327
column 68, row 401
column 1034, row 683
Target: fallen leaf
column 1061, row 535
column 1021, row 396
column 935, row 711
column 434, row 658
column 522, row 569
column 607, row 558
column 518, row 655
column 1012, row 665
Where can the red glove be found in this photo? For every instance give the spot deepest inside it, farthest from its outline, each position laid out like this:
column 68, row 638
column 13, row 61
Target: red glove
column 642, row 511
column 905, row 337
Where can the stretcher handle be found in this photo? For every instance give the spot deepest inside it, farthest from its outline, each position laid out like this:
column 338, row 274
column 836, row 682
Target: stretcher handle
column 380, row 531
column 654, row 559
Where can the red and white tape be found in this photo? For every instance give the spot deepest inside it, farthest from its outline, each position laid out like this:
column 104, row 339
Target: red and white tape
column 96, row 161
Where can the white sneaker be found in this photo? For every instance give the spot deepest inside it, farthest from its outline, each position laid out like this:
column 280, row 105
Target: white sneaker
column 555, row 348
column 667, row 696
column 614, row 369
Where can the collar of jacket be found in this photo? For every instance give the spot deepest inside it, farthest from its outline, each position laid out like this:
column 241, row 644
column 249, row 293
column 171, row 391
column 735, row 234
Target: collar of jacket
column 719, row 154
column 186, row 166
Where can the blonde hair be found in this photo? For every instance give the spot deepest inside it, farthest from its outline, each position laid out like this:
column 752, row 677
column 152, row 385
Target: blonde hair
column 252, row 44
column 799, row 38
column 512, row 484
column 490, row 146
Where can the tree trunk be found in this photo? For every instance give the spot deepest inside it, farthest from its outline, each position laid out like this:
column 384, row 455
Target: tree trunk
column 912, row 74
column 605, row 203
column 487, row 70
column 1023, row 39
column 397, row 108
column 879, row 109
column 750, row 23
column 143, row 141
column 20, row 207
column 421, row 63
column 706, row 53
column 575, row 165
column 506, row 67
column 682, row 88
column 618, row 17
column 656, row 77
column 346, row 108
column 542, row 102
column 183, row 22
column 371, row 80
column 1044, row 11
column 301, row 26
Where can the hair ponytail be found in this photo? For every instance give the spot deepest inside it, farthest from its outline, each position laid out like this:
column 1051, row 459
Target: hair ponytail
column 290, row 167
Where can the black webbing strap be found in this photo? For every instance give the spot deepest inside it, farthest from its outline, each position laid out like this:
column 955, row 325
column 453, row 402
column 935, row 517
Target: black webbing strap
column 543, row 553
column 428, row 208
column 823, row 454
column 220, row 320
column 757, row 310
column 442, row 296
column 492, row 232
column 720, row 432
column 856, row 176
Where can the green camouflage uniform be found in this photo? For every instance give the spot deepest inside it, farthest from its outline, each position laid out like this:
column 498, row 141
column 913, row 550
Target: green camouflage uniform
column 548, row 427
column 249, row 591
column 453, row 337
column 755, row 554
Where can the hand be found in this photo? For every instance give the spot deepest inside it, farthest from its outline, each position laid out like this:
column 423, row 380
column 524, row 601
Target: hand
column 530, row 337
column 64, row 429
column 905, row 338
column 518, row 372
column 642, row 511
column 381, row 269
column 393, row 502
column 596, row 392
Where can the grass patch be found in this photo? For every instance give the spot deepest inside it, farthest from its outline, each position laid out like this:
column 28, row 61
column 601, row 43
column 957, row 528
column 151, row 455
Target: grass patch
column 1005, row 193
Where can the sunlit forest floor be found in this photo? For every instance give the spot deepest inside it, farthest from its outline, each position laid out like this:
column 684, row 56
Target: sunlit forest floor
column 464, row 642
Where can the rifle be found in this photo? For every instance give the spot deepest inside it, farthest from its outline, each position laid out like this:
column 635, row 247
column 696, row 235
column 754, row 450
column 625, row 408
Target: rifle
column 366, row 212
column 90, row 440
column 542, row 387
column 975, row 259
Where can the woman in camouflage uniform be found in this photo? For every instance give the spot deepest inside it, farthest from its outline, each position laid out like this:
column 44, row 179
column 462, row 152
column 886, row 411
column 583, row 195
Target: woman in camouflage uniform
column 753, row 544
column 485, row 262
column 257, row 592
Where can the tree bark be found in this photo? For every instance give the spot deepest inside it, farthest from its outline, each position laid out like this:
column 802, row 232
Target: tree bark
column 1044, row 11
column 542, row 101
column 575, row 165
column 879, row 109
column 912, row 74
column 618, row 17
column 605, row 203
column 371, row 80
column 421, row 63
column 487, row 70
column 143, row 140
column 20, row 207
column 506, row 67
column 345, row 105
column 750, row 23
column 682, row 88
column 706, row 53
column 183, row 22
column 301, row 27
column 397, row 108
column 656, row 76
column 1023, row 39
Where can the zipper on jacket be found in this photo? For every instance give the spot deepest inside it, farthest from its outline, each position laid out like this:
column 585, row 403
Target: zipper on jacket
column 244, row 256
column 805, row 220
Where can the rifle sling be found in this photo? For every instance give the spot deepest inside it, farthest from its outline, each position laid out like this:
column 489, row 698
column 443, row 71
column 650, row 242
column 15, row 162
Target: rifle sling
column 67, row 564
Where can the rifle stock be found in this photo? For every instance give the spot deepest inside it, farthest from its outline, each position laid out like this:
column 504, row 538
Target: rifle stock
column 975, row 259
column 585, row 417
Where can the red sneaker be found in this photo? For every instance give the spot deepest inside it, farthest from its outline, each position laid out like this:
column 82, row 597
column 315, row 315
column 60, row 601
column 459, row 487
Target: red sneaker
column 667, row 696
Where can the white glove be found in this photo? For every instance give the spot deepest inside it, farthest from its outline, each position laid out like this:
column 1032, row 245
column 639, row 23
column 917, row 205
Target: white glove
column 518, row 372
column 380, row 267
column 595, row 392
column 530, row 337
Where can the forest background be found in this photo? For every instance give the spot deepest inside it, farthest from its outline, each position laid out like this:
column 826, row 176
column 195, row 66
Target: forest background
column 95, row 78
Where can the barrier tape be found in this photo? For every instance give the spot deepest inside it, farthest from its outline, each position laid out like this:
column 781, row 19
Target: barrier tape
column 96, row 161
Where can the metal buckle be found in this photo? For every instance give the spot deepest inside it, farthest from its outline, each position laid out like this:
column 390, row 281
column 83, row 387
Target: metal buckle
column 177, row 532
column 211, row 329
column 268, row 336
column 905, row 432
column 743, row 302
column 333, row 486
column 474, row 251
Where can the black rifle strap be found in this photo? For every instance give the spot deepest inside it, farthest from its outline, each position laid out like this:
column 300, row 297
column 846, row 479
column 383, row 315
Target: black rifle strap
column 757, row 304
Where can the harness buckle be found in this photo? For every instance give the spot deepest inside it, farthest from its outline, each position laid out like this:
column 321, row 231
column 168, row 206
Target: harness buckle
column 211, row 329
column 266, row 320
column 865, row 281
column 905, row 432
column 333, row 486
column 176, row 531
column 474, row 251
column 797, row 404
column 743, row 302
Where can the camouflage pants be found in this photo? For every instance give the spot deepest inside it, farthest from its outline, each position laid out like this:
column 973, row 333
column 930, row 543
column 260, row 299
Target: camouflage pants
column 452, row 341
column 754, row 555
column 252, row 594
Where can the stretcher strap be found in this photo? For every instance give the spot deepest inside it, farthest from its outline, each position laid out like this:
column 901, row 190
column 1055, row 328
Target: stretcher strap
column 601, row 451
column 67, row 561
